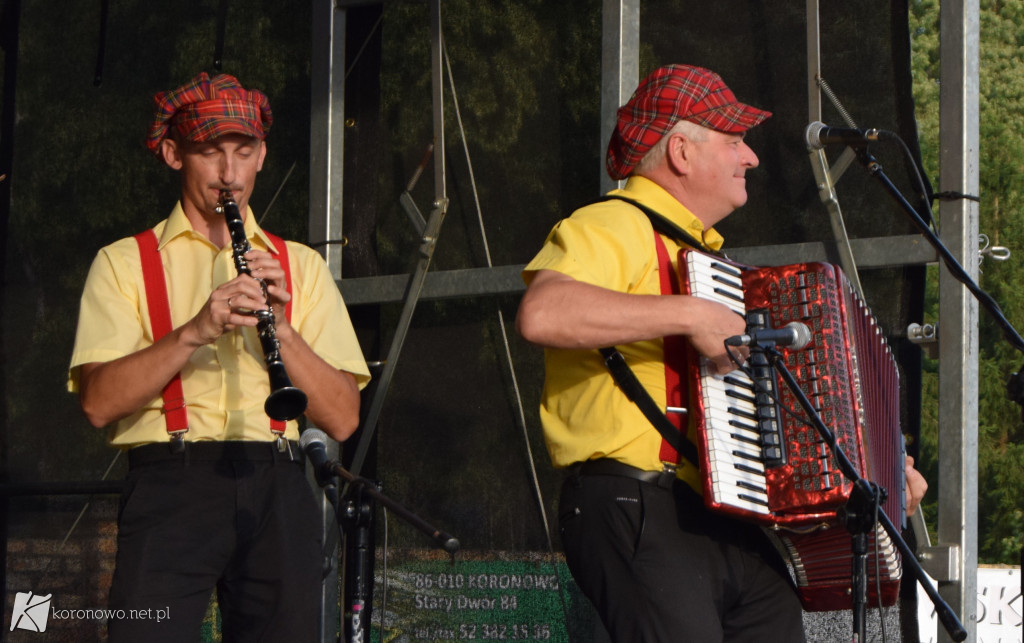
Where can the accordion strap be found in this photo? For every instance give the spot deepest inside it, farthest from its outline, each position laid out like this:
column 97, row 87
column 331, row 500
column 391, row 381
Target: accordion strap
column 662, row 224
column 635, row 391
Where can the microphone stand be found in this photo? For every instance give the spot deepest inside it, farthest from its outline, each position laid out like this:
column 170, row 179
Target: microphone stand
column 1015, row 386
column 355, row 519
column 859, row 517
column 442, row 539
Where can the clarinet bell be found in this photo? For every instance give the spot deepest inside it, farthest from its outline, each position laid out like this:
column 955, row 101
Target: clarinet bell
column 285, row 404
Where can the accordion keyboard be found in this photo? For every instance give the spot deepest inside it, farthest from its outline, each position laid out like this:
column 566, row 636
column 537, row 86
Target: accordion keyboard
column 741, row 418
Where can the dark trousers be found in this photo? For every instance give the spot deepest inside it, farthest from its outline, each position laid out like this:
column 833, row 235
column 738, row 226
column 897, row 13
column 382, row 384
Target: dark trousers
column 246, row 526
column 659, row 567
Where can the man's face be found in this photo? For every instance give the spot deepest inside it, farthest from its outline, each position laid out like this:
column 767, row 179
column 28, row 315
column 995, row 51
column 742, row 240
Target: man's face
column 717, row 182
column 230, row 162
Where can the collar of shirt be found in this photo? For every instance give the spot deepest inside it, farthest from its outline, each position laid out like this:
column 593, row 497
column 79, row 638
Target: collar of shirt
column 177, row 224
column 652, row 195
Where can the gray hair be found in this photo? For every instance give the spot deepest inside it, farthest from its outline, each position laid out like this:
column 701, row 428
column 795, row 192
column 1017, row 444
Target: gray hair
column 655, row 156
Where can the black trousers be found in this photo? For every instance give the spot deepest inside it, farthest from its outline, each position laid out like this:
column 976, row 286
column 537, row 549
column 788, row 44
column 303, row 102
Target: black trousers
column 236, row 517
column 659, row 567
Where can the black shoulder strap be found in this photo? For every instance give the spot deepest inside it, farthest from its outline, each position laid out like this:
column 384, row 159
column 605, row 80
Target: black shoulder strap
column 661, row 223
column 635, row 391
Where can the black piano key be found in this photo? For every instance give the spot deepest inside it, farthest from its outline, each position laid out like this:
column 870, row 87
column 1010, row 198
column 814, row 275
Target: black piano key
column 726, row 268
column 739, row 396
column 739, row 437
column 744, row 468
column 738, row 285
column 756, row 501
column 743, row 425
column 746, row 456
column 735, row 381
column 728, row 294
column 746, row 484
column 741, row 413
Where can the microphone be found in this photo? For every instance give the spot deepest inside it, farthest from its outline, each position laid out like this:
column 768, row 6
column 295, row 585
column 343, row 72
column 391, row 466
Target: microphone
column 314, row 444
column 794, row 335
column 818, row 135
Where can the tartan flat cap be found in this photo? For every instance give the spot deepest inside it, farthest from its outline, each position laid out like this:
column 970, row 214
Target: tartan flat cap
column 670, row 94
column 207, row 108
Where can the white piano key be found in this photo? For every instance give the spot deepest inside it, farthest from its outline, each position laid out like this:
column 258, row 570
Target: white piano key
column 723, row 452
column 714, row 272
column 724, row 498
column 739, row 478
column 707, row 276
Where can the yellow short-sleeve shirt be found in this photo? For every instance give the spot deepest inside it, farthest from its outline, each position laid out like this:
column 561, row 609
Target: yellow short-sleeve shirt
column 610, row 244
column 225, row 384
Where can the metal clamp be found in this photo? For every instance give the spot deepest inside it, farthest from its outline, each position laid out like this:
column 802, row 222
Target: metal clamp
column 926, row 336
column 996, row 253
column 941, row 562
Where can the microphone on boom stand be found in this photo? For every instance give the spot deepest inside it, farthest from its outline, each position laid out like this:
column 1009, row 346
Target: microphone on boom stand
column 355, row 517
column 314, row 444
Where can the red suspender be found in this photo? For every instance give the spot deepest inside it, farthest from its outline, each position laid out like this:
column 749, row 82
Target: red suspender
column 282, row 256
column 675, row 354
column 175, row 412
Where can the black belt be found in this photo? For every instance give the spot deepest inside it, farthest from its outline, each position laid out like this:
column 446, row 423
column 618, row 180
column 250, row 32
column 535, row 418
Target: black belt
column 608, row 467
column 204, row 451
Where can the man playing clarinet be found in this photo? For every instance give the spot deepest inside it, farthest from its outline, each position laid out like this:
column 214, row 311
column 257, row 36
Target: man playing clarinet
column 168, row 356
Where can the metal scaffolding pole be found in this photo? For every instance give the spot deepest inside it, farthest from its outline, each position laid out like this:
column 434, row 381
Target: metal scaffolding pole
column 958, row 311
column 326, row 170
column 620, row 68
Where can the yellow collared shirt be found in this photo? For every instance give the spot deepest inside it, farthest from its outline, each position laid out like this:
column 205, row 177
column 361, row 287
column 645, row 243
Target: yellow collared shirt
column 610, row 244
column 225, row 383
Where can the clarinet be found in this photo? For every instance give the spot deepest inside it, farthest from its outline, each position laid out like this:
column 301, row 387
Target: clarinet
column 285, row 401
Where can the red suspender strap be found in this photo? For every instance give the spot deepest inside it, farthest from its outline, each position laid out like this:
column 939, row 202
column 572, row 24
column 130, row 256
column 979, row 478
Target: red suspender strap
column 675, row 354
column 277, row 427
column 175, row 413
column 282, row 256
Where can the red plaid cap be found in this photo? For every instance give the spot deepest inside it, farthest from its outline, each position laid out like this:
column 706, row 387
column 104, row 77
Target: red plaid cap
column 668, row 95
column 207, row 108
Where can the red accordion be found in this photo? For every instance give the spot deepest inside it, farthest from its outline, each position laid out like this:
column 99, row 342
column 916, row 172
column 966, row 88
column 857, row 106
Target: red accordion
column 762, row 463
